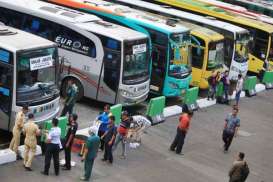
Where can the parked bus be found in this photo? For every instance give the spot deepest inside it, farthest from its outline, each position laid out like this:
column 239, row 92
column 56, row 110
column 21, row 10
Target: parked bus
column 237, row 39
column 171, row 72
column 261, row 32
column 259, row 6
column 240, row 11
column 29, row 76
column 108, row 62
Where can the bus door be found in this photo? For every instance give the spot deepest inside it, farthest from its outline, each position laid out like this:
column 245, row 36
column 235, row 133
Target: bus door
column 6, row 83
column 110, row 71
column 158, row 68
column 198, row 58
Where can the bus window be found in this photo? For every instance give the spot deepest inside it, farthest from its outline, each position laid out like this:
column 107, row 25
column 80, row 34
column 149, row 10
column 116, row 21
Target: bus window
column 229, row 46
column 261, row 40
column 197, row 52
column 216, row 55
column 11, row 18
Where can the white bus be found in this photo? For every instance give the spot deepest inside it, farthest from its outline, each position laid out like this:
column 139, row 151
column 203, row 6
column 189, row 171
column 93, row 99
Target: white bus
column 236, row 38
column 28, row 76
column 93, row 51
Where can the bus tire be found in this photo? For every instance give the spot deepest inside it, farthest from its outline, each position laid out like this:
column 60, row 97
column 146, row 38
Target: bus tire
column 79, row 85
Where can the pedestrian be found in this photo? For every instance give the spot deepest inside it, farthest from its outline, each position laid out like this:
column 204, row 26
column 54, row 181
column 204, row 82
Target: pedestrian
column 109, row 139
column 142, row 124
column 17, row 129
column 239, row 170
column 182, row 130
column 71, row 132
column 213, row 81
column 122, row 133
column 232, row 124
column 71, row 97
column 103, row 118
column 31, row 131
column 226, row 83
column 239, row 88
column 53, row 147
column 90, row 153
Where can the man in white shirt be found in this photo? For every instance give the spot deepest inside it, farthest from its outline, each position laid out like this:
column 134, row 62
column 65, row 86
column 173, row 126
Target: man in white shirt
column 239, row 88
column 53, row 147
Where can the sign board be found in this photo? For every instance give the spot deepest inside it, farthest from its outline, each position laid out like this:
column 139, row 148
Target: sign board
column 137, row 49
column 40, row 62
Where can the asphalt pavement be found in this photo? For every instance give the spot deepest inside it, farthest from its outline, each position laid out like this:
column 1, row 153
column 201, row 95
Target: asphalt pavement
column 203, row 160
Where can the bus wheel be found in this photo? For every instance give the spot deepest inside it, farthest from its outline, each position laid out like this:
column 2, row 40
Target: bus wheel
column 79, row 85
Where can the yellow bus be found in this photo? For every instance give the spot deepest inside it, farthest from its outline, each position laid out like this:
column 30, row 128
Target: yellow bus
column 207, row 54
column 262, row 47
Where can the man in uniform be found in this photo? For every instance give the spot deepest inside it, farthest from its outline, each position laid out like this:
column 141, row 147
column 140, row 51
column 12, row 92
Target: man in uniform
column 72, row 129
column 90, row 153
column 17, row 129
column 31, row 131
column 71, row 97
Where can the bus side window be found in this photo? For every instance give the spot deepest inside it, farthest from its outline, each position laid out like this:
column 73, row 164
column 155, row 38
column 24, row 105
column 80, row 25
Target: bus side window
column 11, row 18
column 197, row 52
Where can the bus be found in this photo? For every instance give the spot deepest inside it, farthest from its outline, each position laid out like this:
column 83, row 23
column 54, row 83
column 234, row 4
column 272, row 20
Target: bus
column 171, row 70
column 29, row 76
column 108, row 62
column 236, row 43
column 262, row 43
column 240, row 11
column 263, row 7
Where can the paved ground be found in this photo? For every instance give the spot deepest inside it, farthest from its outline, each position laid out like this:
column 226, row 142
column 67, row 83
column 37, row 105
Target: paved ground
column 203, row 161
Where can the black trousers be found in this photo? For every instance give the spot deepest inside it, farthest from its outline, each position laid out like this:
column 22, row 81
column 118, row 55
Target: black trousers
column 100, row 133
column 67, row 109
column 52, row 150
column 227, row 138
column 67, row 154
column 178, row 141
column 108, row 152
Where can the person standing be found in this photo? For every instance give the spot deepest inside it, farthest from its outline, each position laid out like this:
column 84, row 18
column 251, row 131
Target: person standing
column 213, row 81
column 53, row 147
column 122, row 133
column 72, row 129
column 182, row 129
column 239, row 170
column 109, row 139
column 31, row 131
column 239, row 88
column 226, row 83
column 90, row 153
column 71, row 97
column 17, row 129
column 232, row 124
column 104, row 120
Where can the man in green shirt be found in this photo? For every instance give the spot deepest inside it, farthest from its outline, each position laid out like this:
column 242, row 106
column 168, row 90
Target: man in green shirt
column 90, row 153
column 71, row 98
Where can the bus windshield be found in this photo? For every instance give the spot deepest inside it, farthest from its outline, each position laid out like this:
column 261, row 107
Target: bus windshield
column 180, row 55
column 136, row 62
column 36, row 75
column 242, row 47
column 216, row 55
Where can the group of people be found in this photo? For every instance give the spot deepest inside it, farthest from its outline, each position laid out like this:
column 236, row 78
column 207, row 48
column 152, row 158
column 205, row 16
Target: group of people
column 216, row 78
column 239, row 170
column 108, row 136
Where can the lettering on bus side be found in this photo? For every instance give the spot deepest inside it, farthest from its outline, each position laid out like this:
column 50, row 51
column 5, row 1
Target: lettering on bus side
column 75, row 46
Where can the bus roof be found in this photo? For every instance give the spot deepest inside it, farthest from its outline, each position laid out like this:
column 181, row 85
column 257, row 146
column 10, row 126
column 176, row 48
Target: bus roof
column 203, row 8
column 205, row 33
column 187, row 16
column 123, row 11
column 72, row 18
column 16, row 40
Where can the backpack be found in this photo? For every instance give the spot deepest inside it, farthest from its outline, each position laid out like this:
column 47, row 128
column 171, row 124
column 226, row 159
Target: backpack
column 244, row 172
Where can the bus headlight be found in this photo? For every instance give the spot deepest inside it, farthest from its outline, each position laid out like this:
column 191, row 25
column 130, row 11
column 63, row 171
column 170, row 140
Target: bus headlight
column 126, row 93
column 173, row 85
